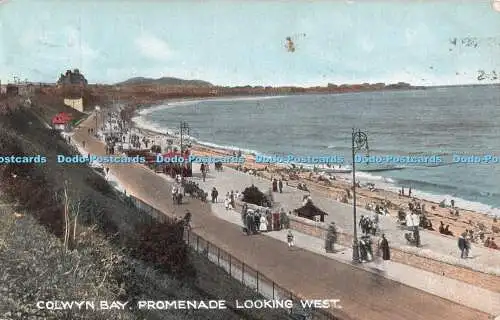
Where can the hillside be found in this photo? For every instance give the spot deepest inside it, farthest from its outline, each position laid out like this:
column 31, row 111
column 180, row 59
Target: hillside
column 112, row 251
column 165, row 81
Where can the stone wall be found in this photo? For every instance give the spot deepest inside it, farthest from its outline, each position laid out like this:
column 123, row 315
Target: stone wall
column 400, row 255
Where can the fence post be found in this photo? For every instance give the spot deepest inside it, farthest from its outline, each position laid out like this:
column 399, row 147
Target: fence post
column 243, row 273
column 230, row 265
column 197, row 243
column 273, row 290
column 208, row 249
column 218, row 256
column 257, row 281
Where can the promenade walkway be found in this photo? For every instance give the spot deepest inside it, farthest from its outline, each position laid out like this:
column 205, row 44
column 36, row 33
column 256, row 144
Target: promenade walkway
column 453, row 290
column 362, row 295
column 433, row 245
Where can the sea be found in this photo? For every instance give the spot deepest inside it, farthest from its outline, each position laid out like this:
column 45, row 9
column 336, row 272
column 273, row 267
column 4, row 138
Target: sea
column 435, row 121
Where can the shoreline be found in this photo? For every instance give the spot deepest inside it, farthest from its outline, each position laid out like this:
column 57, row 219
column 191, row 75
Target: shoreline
column 468, row 219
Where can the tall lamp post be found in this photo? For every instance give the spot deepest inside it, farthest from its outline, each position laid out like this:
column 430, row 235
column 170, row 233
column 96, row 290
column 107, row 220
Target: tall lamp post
column 97, row 109
column 359, row 143
column 184, row 128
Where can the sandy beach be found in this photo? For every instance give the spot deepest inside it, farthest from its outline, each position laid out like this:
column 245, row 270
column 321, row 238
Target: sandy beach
column 336, row 189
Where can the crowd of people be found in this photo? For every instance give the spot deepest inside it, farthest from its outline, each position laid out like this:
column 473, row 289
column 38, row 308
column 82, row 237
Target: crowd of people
column 263, row 220
column 369, row 225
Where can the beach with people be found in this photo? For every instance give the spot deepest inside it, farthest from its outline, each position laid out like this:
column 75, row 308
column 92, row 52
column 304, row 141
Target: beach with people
column 455, row 214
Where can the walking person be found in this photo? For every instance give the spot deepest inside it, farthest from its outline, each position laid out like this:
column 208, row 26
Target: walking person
column 275, row 185
column 249, row 222
column 383, row 248
column 174, row 193
column 363, row 224
column 282, row 219
column 187, row 220
column 331, row 238
column 462, row 245
column 280, row 185
column 203, row 171
column 83, row 143
column 231, row 199
column 215, row 194
column 256, row 221
column 290, row 239
column 263, row 223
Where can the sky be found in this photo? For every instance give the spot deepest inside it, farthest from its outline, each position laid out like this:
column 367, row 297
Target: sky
column 244, row 42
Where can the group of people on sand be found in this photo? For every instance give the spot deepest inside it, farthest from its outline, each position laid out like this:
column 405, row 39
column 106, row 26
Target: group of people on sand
column 402, row 192
column 467, row 237
column 377, row 208
column 490, row 243
column 445, row 230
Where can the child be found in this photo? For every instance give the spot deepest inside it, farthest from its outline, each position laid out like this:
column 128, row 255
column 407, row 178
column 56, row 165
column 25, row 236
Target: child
column 289, row 238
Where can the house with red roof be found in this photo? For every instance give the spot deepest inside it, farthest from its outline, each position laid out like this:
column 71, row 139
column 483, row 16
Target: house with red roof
column 61, row 121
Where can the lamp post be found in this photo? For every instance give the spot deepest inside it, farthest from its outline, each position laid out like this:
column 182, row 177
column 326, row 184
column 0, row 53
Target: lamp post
column 184, row 128
column 359, row 143
column 97, row 109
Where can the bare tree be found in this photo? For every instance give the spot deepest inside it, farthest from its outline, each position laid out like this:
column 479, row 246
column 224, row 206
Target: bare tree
column 66, row 218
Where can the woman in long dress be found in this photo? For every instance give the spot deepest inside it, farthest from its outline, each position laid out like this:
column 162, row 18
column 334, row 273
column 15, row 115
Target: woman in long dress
column 263, row 224
column 384, row 248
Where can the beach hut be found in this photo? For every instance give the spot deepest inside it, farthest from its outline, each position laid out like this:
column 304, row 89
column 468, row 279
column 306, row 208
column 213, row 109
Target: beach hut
column 61, row 121
column 310, row 211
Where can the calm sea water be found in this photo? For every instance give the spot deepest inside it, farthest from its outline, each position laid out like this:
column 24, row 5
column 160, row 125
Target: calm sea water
column 440, row 121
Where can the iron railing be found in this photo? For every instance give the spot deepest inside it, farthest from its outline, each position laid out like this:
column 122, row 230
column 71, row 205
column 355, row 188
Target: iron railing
column 235, row 268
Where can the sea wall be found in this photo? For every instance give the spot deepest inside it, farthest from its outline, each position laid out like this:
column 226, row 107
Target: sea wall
column 415, row 257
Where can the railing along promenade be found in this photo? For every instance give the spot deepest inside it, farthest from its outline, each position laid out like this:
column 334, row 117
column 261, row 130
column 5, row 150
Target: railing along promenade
column 234, row 267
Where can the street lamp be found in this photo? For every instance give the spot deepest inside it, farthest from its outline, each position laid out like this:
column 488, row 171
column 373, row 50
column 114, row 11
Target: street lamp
column 97, row 109
column 359, row 143
column 184, row 128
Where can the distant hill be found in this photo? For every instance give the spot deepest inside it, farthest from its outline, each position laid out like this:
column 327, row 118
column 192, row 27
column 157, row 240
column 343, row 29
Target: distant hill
column 166, row 81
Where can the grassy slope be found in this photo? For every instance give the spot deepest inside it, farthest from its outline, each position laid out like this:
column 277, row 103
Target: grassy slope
column 109, row 267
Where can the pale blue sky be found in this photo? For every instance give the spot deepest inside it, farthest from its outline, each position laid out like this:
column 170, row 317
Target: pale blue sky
column 243, row 42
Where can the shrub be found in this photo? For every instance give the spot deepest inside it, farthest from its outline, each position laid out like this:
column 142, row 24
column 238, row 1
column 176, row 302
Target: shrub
column 253, row 195
column 163, row 244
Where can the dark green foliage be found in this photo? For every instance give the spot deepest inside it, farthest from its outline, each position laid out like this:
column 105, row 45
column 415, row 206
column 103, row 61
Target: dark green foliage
column 97, row 183
column 253, row 195
column 163, row 244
